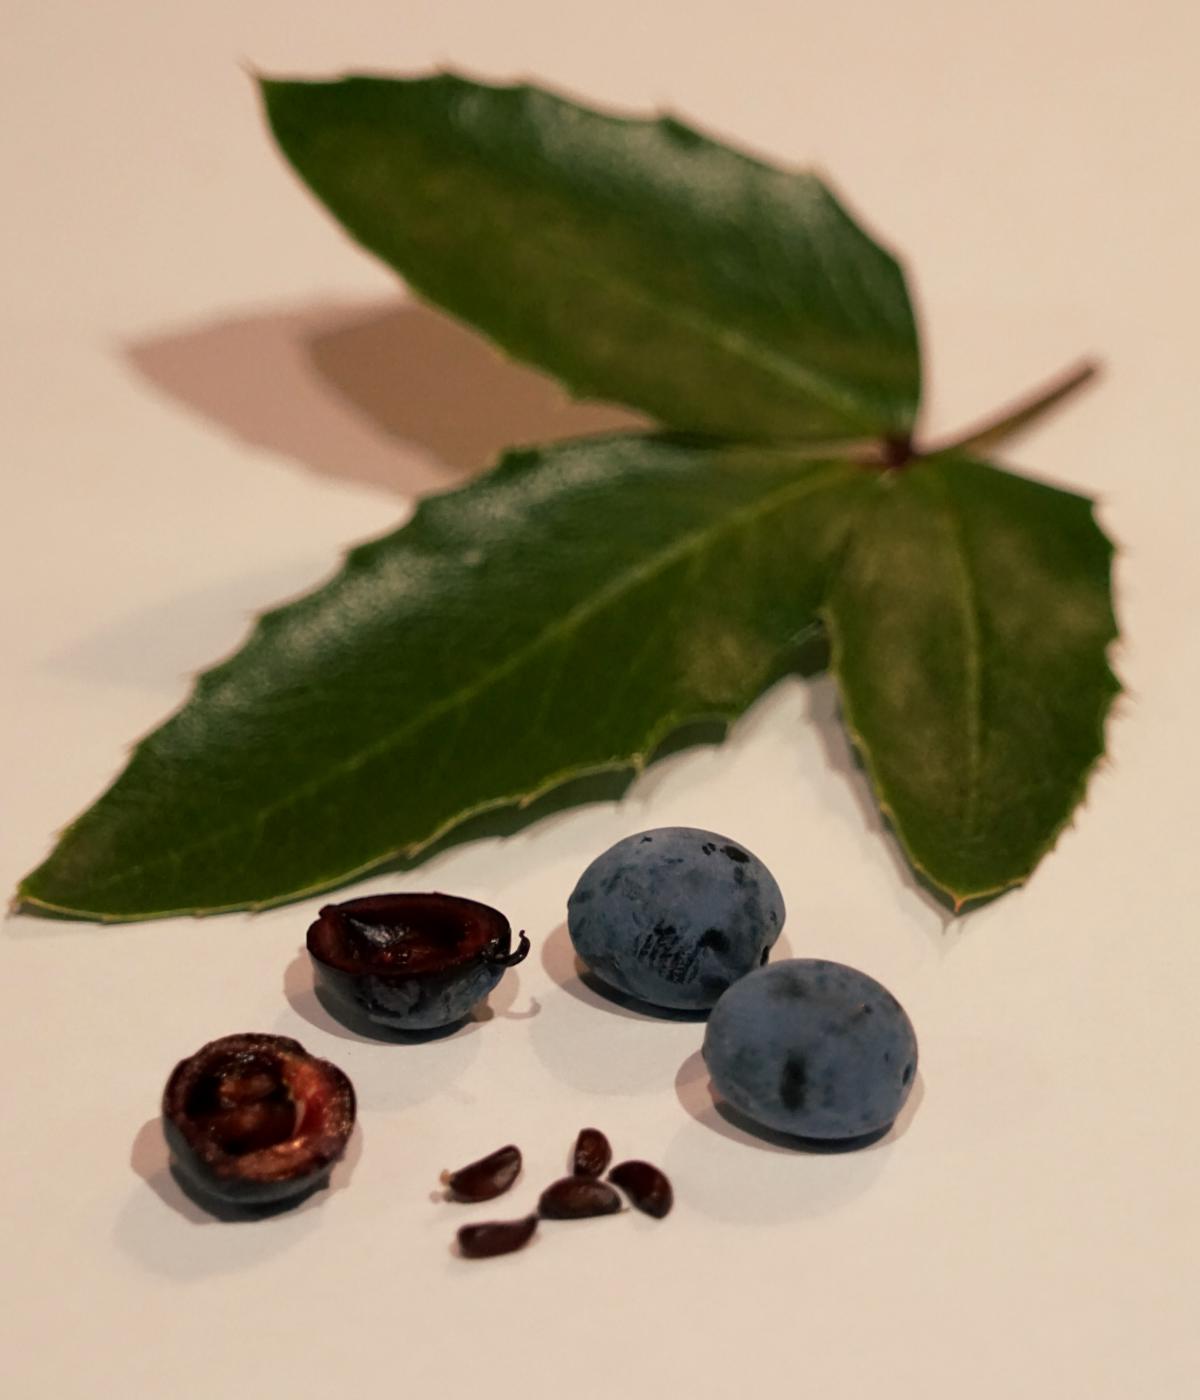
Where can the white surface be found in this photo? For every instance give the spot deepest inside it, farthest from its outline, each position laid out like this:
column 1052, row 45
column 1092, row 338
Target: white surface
column 174, row 461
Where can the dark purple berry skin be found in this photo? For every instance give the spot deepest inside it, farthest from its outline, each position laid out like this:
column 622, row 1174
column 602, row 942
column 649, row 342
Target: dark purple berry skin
column 675, row 916
column 812, row 1048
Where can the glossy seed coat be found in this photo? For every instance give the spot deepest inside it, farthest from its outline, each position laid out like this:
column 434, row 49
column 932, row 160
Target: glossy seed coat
column 494, row 1237
column 576, row 1198
column 592, row 1153
column 646, row 1186
column 485, row 1179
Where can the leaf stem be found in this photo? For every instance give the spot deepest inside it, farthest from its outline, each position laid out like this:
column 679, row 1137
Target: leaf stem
column 1021, row 415
column 898, row 451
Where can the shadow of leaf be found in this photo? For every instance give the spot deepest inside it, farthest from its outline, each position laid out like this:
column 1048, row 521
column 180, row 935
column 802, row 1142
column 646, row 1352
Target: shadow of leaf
column 350, row 389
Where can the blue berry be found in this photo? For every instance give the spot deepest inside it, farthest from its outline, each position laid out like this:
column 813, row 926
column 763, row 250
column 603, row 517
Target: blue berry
column 812, row 1048
column 675, row 916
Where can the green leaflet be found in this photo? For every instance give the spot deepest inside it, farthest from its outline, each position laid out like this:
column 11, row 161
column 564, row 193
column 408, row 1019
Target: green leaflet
column 562, row 615
column 635, row 260
column 970, row 620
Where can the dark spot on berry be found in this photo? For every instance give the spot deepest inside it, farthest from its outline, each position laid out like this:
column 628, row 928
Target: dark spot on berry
column 907, row 1075
column 867, row 1010
column 734, row 854
column 766, row 953
column 793, row 1083
column 708, row 848
column 716, row 940
column 645, row 841
column 667, row 955
column 887, row 1057
column 788, row 988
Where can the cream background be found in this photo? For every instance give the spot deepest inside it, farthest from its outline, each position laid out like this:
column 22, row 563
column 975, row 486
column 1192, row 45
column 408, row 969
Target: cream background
column 196, row 421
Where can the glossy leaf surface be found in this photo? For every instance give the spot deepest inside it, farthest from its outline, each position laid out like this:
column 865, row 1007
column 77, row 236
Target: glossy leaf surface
column 635, row 260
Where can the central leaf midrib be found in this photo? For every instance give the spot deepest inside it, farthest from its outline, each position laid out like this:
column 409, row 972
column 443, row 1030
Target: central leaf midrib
column 630, row 579
column 790, row 373
column 972, row 657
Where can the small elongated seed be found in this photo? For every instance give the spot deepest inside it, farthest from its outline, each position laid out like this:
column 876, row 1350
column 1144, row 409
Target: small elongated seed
column 575, row 1197
column 592, row 1153
column 495, row 1237
column 646, row 1187
column 489, row 1177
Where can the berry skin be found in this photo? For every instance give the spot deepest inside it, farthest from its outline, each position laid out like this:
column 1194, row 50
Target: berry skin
column 812, row 1048
column 675, row 916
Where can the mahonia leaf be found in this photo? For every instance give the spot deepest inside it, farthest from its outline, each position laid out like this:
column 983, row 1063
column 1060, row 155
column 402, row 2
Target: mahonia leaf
column 560, row 616
column 567, row 613
column 969, row 622
column 635, row 260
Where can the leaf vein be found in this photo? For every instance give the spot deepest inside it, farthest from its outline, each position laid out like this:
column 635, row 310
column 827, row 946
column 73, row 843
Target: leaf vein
column 973, row 661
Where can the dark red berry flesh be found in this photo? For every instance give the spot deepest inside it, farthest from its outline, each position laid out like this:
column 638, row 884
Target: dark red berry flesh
column 410, row 933
column 647, row 1188
column 592, row 1153
column 491, row 1176
column 495, row 1237
column 256, row 1120
column 576, row 1197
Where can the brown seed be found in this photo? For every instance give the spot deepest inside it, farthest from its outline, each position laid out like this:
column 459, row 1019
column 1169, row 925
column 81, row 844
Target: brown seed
column 592, row 1153
column 489, row 1177
column 646, row 1187
column 495, row 1237
column 575, row 1197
